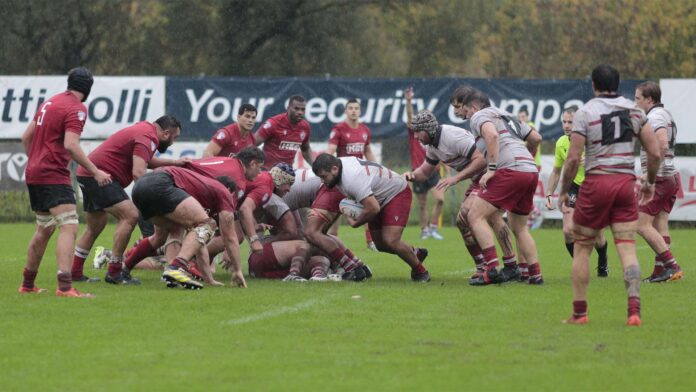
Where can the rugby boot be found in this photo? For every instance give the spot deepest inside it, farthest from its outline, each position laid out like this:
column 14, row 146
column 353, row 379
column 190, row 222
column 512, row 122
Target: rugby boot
column 87, row 279
column 367, row 270
column 667, row 275
column 179, row 276
column 33, row 290
column 357, row 275
column 634, row 321
column 510, row 274
column 73, row 292
column 192, row 269
column 421, row 254
column 487, row 277
column 577, row 320
column 294, row 278
column 420, row 276
column 124, row 277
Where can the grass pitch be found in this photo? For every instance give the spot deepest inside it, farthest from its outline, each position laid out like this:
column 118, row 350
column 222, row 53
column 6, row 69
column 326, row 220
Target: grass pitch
column 385, row 334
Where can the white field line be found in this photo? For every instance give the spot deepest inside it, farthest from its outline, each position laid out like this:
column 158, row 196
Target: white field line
column 277, row 312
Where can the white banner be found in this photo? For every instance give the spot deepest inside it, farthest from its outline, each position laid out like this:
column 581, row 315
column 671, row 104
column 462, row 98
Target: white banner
column 115, row 102
column 684, row 209
column 679, row 97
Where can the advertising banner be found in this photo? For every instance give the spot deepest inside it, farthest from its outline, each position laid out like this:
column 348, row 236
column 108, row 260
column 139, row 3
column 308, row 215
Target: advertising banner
column 114, row 102
column 205, row 105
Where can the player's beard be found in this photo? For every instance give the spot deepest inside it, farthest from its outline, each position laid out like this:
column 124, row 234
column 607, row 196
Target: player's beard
column 336, row 179
column 163, row 146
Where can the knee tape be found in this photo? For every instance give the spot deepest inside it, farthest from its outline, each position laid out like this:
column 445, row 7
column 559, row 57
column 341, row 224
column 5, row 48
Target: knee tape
column 163, row 250
column 68, row 218
column 204, row 233
column 45, row 221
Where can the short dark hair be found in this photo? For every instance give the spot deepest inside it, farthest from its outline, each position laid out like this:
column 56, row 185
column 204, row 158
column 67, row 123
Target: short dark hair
column 248, row 154
column 469, row 95
column 324, row 162
column 571, row 109
column 651, row 90
column 523, row 110
column 228, row 183
column 296, row 98
column 459, row 94
column 606, row 78
column 247, row 107
column 352, row 100
column 168, row 122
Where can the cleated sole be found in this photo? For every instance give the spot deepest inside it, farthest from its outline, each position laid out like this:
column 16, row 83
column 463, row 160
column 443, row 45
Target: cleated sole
column 189, row 284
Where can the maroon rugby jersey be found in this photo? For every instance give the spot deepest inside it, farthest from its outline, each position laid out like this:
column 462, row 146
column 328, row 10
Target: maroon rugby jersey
column 416, row 149
column 260, row 189
column 231, row 141
column 282, row 139
column 212, row 195
column 115, row 154
column 48, row 158
column 351, row 142
column 214, row 167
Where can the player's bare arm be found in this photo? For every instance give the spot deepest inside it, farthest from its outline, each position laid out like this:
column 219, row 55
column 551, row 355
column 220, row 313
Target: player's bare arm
column 229, row 237
column 139, row 167
column 213, row 149
column 476, row 165
column 246, row 215
column 286, row 229
column 571, row 166
column 156, row 162
column 533, row 141
column 422, row 173
column 28, row 136
column 72, row 145
column 307, row 153
column 369, row 155
column 490, row 136
column 552, row 185
column 370, row 210
column 331, row 149
column 651, row 145
column 408, row 94
column 258, row 139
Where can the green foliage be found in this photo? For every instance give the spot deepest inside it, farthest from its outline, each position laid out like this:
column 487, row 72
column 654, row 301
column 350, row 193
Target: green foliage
column 359, row 38
column 397, row 336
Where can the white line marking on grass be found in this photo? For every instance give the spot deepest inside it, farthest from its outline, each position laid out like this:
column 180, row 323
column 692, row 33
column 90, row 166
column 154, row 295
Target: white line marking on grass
column 459, row 272
column 278, row 312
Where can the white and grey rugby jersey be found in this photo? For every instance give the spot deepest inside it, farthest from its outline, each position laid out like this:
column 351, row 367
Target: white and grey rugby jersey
column 453, row 146
column 361, row 178
column 660, row 118
column 609, row 125
column 304, row 190
column 512, row 150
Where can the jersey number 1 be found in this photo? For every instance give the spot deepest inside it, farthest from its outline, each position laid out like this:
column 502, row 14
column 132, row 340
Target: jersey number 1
column 616, row 127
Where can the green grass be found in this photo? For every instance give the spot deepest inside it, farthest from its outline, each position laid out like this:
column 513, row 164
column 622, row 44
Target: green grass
column 397, row 336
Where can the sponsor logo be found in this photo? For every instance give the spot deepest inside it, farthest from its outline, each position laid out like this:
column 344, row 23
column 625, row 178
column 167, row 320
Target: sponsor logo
column 289, row 146
column 352, row 148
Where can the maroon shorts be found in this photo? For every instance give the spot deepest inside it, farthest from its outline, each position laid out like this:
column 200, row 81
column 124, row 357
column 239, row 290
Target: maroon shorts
column 605, row 199
column 328, row 199
column 666, row 189
column 394, row 213
column 511, row 190
column 265, row 265
column 473, row 190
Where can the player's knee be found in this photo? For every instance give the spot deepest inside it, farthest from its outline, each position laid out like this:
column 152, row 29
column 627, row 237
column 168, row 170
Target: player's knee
column 45, row 225
column 568, row 234
column 203, row 232
column 68, row 219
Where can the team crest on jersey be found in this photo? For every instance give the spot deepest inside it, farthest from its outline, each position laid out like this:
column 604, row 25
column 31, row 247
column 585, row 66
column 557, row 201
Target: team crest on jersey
column 81, row 116
column 333, row 134
column 240, row 194
column 221, row 136
column 267, row 124
column 152, row 146
column 302, row 135
column 285, row 132
column 235, row 144
column 364, row 135
column 396, row 218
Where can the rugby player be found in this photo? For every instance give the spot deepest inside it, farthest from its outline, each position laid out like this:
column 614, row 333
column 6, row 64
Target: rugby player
column 653, row 217
column 283, row 134
column 606, row 127
column 51, row 139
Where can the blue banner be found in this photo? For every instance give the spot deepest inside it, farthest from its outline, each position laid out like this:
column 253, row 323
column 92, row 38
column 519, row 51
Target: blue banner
column 206, row 104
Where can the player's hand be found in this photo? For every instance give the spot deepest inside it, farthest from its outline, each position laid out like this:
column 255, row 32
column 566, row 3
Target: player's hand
column 182, row 161
column 256, row 247
column 485, row 177
column 646, row 193
column 563, row 200
column 408, row 93
column 549, row 203
column 409, row 176
column 238, row 279
column 352, row 222
column 102, row 178
column 262, row 227
column 445, row 183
